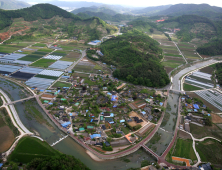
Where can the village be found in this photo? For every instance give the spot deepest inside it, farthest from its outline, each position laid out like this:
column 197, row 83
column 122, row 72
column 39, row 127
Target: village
column 102, row 110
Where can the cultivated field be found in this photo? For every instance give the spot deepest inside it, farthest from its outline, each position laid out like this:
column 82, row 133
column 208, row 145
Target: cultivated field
column 210, row 151
column 184, row 149
column 188, row 87
column 61, row 84
column 201, row 132
column 43, row 63
column 73, row 56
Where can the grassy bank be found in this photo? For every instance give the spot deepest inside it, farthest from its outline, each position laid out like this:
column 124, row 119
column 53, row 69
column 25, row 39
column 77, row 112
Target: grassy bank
column 30, row 148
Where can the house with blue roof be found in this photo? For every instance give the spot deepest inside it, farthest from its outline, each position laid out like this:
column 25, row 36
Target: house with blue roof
column 95, row 136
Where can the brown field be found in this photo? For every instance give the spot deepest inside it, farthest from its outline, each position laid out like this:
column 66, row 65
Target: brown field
column 183, row 135
column 201, row 132
column 145, row 129
column 216, row 118
column 7, row 138
column 207, row 70
column 133, row 123
column 73, row 56
column 80, row 75
column 214, row 109
column 168, row 69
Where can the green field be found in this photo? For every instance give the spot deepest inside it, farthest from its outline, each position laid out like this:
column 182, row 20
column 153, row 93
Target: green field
column 40, row 53
column 188, row 87
column 8, row 48
column 62, row 84
column 43, row 63
column 59, row 53
column 39, row 45
column 29, row 148
column 48, row 50
column 184, row 149
column 46, row 77
column 173, row 55
column 65, row 47
column 30, row 57
column 210, row 151
column 170, row 64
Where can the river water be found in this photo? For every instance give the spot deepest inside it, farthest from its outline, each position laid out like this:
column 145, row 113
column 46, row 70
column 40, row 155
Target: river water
column 49, row 132
column 166, row 132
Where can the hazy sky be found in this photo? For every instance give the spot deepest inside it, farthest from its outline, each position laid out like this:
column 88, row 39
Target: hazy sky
column 145, row 3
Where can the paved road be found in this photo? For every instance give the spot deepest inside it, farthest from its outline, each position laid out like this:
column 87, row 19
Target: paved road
column 176, row 78
column 15, row 114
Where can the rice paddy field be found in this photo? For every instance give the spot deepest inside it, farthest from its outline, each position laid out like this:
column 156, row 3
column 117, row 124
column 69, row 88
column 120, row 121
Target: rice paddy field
column 43, row 63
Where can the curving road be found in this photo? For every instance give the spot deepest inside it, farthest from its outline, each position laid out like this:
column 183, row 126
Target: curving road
column 176, row 79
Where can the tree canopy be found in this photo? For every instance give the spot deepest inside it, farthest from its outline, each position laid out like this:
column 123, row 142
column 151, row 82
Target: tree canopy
column 137, row 58
column 57, row 163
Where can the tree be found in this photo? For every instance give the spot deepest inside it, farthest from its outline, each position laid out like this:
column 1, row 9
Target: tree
column 57, row 163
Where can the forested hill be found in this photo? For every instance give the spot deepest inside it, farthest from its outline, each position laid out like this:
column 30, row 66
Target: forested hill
column 44, row 11
column 94, row 9
column 104, row 16
column 137, row 58
column 192, row 9
column 13, row 4
column 48, row 17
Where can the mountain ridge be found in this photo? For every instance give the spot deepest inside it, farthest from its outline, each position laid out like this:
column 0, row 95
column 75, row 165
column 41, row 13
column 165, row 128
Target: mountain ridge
column 13, row 4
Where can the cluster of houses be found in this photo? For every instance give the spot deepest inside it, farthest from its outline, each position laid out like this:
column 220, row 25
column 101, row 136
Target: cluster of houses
column 91, row 111
column 195, row 111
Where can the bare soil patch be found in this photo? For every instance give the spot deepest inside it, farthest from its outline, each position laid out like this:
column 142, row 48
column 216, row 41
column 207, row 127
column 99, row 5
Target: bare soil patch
column 208, row 70
column 133, row 123
column 184, row 135
column 168, row 69
column 7, row 138
column 216, row 118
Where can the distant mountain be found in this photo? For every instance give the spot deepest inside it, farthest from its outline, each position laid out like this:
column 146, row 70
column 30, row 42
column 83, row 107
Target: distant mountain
column 104, row 16
column 151, row 10
column 13, row 4
column 192, row 9
column 94, row 9
column 74, row 4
